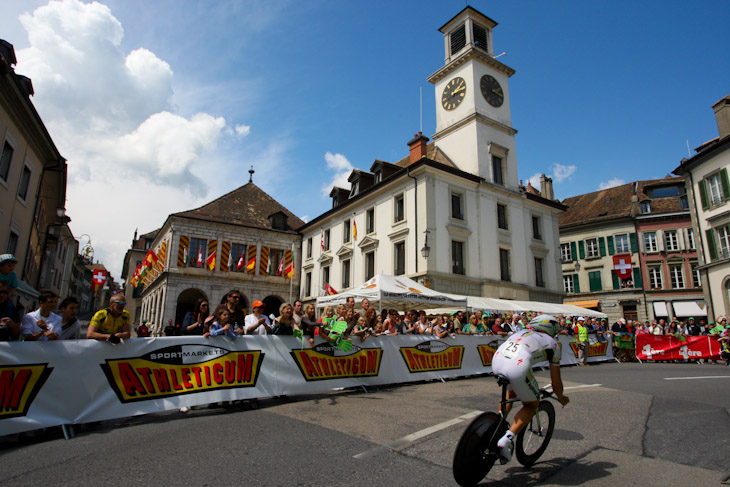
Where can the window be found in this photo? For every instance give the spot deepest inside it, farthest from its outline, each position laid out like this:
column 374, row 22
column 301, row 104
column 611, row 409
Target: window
column 565, row 254
column 398, row 209
column 696, row 278
column 457, row 210
column 369, row 265
column 370, row 221
column 592, row 248
column 650, row 242
column 664, row 191
column 622, row 244
column 691, row 239
column 326, row 240
column 536, row 233
column 308, row 284
column 497, row 174
column 355, row 187
column 238, row 257
column 12, row 242
column 676, row 278
column 539, row 279
column 504, row 267
column 480, row 36
column 458, row 39
column 723, row 237
column 671, row 242
column 655, row 277
column 345, row 274
column 325, row 277
column 399, row 256
column 346, row 233
column 278, row 221
column 276, row 262
column 197, row 253
column 716, row 193
column 24, row 183
column 457, row 257
column 568, row 284
column 502, row 217
column 645, row 207
column 309, row 248
column 594, row 281
column 5, row 159
column 683, row 202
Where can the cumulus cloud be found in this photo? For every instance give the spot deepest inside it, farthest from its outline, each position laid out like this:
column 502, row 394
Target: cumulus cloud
column 611, row 183
column 111, row 114
column 342, row 168
column 562, row 172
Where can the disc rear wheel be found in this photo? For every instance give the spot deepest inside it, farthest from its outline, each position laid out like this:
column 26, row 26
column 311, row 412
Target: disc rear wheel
column 473, row 457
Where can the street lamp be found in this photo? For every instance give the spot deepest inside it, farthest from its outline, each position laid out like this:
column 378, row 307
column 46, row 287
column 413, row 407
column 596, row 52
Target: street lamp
column 577, row 266
column 426, row 250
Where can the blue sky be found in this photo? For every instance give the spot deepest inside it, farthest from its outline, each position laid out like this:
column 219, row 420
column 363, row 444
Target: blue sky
column 162, row 106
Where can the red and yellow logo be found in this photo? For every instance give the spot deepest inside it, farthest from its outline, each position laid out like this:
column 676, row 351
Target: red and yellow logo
column 19, row 385
column 322, row 363
column 182, row 369
column 486, row 352
column 432, row 356
column 595, row 350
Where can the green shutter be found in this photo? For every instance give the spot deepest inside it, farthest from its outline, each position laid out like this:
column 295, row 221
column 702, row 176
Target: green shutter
column 602, row 246
column 638, row 281
column 616, row 283
column 576, row 283
column 633, row 242
column 594, row 281
column 582, row 249
column 573, row 253
column 611, row 248
column 703, row 194
column 710, row 234
column 725, row 184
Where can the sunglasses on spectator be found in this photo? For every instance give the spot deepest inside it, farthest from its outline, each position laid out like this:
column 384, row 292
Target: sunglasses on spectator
column 121, row 303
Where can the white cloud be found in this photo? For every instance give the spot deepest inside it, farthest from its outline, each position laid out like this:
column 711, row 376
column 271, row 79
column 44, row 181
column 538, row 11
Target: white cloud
column 534, row 180
column 112, row 116
column 243, row 130
column 562, row 172
column 342, row 168
column 611, row 183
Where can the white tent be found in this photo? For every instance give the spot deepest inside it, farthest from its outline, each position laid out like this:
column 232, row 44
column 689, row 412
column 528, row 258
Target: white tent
column 398, row 292
column 508, row 305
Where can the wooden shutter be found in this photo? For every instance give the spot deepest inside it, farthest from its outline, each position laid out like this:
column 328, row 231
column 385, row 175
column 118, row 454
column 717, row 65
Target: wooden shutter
column 225, row 256
column 710, row 234
column 582, row 249
column 633, row 242
column 576, row 283
column 602, row 246
column 251, row 257
column 573, row 253
column 725, row 184
column 616, row 281
column 611, row 248
column 183, row 250
column 638, row 279
column 703, row 194
column 264, row 261
column 211, row 254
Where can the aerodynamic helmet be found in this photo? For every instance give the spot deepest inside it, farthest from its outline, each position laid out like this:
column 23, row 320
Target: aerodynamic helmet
column 545, row 323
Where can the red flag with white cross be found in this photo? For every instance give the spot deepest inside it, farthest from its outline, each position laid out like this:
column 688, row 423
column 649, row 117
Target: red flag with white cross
column 98, row 279
column 622, row 265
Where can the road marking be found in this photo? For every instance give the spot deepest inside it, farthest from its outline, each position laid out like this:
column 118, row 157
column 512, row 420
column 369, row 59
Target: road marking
column 581, row 387
column 408, row 440
column 699, row 377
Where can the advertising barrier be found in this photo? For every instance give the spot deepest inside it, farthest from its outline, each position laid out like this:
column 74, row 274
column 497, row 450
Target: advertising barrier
column 677, row 347
column 79, row 381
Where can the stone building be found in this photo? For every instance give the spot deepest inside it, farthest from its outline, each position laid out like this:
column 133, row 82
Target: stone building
column 238, row 241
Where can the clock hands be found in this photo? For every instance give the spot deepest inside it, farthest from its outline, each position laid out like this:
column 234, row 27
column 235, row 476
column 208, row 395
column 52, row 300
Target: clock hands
column 458, row 90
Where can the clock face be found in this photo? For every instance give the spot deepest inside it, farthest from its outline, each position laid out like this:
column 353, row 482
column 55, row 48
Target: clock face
column 492, row 91
column 454, row 93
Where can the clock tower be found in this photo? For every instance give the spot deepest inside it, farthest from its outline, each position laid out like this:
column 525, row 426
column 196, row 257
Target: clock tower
column 473, row 123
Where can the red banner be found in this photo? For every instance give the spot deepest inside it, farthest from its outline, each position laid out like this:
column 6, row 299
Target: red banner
column 673, row 347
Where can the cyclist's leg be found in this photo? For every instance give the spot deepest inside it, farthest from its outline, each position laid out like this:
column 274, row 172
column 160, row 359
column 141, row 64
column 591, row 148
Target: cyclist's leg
column 508, row 407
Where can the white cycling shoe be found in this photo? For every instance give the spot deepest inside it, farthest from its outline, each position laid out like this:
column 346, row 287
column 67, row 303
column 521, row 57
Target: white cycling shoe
column 506, row 447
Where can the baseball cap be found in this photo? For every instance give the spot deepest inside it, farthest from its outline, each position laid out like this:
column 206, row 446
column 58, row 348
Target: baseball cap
column 7, row 258
column 258, row 304
column 580, row 318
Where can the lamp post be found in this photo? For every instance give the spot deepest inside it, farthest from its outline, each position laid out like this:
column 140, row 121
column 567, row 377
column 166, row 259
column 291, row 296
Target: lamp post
column 426, row 250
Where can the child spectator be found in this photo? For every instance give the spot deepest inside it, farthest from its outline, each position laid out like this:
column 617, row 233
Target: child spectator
column 221, row 325
column 7, row 272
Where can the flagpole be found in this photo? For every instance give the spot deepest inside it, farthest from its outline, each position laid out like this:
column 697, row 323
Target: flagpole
column 291, row 281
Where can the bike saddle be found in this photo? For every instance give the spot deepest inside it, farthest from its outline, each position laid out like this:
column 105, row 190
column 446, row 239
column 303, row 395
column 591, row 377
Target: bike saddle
column 501, row 380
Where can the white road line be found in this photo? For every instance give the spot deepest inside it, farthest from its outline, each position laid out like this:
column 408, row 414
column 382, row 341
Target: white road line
column 407, row 440
column 699, row 377
column 581, row 387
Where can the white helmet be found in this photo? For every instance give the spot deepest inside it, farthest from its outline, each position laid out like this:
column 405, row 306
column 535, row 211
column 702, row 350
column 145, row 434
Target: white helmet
column 545, row 323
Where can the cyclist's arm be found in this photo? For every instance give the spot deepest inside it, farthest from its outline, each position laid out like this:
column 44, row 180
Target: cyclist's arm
column 557, row 382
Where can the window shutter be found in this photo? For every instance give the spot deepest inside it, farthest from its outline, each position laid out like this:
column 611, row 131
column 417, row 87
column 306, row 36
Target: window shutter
column 633, row 242
column 725, row 184
column 225, row 256
column 660, row 240
column 616, row 283
column 643, row 242
column 573, row 254
column 680, row 238
column 582, row 249
column 703, row 194
column 711, row 244
column 611, row 248
column 183, row 250
column 602, row 246
column 638, row 281
column 576, row 283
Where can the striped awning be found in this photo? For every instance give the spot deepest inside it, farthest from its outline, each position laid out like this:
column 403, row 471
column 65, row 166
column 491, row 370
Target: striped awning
column 593, row 303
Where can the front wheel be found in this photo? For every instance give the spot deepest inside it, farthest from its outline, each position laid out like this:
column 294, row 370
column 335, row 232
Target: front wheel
column 533, row 440
column 476, row 452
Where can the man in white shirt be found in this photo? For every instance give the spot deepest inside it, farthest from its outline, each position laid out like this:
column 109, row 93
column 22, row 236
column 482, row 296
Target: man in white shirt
column 257, row 323
column 42, row 324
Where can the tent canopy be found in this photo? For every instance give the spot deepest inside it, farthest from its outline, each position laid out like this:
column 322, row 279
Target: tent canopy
column 397, row 292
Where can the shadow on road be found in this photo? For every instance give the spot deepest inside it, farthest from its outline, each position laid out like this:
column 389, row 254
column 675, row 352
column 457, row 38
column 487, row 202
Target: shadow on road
column 578, row 473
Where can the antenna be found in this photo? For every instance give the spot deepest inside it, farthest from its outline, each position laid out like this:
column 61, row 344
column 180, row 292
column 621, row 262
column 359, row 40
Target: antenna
column 420, row 118
column 503, row 53
column 689, row 154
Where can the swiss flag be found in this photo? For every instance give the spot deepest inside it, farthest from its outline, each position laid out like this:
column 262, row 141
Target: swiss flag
column 98, row 278
column 622, row 265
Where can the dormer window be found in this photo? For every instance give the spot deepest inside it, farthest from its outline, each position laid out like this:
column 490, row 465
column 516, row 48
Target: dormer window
column 354, row 188
column 458, row 39
column 646, row 207
column 278, row 221
column 378, row 176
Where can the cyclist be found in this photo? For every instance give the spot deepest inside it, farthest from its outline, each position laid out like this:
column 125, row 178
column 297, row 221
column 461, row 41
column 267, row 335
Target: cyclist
column 514, row 360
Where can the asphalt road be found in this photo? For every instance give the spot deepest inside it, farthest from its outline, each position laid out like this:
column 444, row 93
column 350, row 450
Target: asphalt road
column 626, row 424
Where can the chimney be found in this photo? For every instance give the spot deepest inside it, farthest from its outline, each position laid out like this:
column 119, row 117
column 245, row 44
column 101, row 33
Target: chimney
column 418, row 147
column 546, row 187
column 722, row 114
